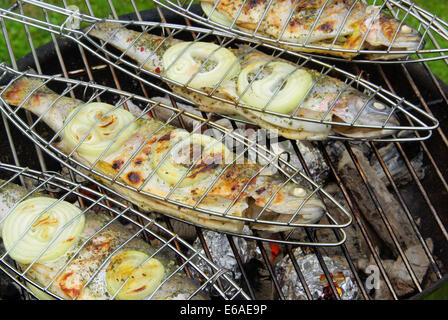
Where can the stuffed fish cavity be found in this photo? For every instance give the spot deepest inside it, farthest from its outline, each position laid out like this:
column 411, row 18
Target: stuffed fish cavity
column 268, row 91
column 82, row 254
column 187, row 174
column 336, row 24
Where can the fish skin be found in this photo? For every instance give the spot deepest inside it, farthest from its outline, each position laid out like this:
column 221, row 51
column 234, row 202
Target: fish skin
column 238, row 183
column 148, row 50
column 362, row 21
column 9, row 195
column 69, row 284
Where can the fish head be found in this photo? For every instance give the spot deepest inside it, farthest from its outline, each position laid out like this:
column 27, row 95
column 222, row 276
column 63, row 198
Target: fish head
column 289, row 203
column 385, row 32
column 362, row 110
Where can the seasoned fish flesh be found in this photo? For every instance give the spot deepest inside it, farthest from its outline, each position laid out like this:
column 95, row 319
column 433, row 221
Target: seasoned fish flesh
column 341, row 24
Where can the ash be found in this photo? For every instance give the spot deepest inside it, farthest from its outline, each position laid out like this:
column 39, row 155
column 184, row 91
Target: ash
column 314, row 278
column 222, row 253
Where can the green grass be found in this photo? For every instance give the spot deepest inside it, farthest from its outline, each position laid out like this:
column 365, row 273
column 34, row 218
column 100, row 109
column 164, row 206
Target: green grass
column 17, row 33
column 20, row 45
column 440, row 9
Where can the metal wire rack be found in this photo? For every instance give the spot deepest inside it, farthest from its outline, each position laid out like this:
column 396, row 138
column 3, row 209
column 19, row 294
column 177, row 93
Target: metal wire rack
column 281, row 24
column 327, row 103
column 96, row 205
column 175, row 194
column 422, row 199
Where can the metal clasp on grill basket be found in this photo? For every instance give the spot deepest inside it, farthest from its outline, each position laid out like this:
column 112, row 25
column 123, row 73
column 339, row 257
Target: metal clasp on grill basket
column 114, row 241
column 363, row 31
column 301, row 97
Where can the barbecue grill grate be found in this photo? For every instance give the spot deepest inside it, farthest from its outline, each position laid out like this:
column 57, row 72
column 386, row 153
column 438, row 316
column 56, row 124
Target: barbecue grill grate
column 399, row 107
column 427, row 201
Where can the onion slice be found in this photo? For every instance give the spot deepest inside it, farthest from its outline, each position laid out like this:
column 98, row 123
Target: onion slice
column 41, row 228
column 98, row 125
column 217, row 16
column 278, row 87
column 193, row 155
column 140, row 275
column 207, row 63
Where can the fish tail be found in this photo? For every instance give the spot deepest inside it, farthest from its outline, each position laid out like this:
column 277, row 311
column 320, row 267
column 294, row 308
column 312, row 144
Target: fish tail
column 33, row 95
column 22, row 89
column 103, row 29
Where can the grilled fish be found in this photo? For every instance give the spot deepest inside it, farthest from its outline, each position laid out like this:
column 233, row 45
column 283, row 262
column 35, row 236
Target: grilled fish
column 82, row 271
column 342, row 24
column 194, row 170
column 259, row 81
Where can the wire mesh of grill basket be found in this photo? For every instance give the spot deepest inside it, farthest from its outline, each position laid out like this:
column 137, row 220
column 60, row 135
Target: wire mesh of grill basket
column 111, row 230
column 362, row 31
column 276, row 185
column 260, row 87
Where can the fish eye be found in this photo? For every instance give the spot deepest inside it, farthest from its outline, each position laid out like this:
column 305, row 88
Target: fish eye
column 406, row 29
column 379, row 106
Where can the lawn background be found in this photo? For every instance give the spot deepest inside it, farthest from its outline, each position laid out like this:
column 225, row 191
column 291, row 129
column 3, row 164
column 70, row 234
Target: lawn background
column 101, row 8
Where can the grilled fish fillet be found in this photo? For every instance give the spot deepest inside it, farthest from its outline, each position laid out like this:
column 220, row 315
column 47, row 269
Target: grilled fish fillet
column 344, row 22
column 237, row 189
column 68, row 281
column 346, row 104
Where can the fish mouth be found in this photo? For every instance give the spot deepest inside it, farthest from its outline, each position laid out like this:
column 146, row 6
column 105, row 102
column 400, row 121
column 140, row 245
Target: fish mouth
column 408, row 40
column 309, row 214
column 359, row 132
column 405, row 45
column 298, row 206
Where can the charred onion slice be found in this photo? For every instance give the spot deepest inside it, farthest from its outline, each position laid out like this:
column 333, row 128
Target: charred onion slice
column 142, row 276
column 103, row 124
column 57, row 226
column 285, row 81
column 213, row 62
column 217, row 16
column 193, row 155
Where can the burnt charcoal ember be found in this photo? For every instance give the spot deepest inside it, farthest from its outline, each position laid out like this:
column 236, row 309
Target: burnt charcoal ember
column 256, row 274
column 398, row 273
column 386, row 200
column 391, row 157
column 222, row 254
column 336, row 148
column 315, row 162
column 8, row 289
column 396, row 217
column 396, row 165
column 354, row 243
column 184, row 230
column 315, row 279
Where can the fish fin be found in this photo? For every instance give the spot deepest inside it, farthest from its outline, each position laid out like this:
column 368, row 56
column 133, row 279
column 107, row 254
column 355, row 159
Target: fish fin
column 245, row 48
column 106, row 168
column 102, row 29
column 355, row 39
